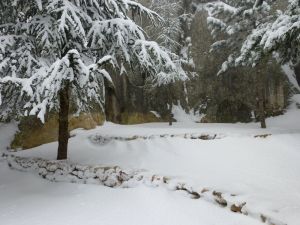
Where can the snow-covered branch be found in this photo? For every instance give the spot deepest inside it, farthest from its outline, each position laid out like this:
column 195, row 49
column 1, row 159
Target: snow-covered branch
column 57, row 43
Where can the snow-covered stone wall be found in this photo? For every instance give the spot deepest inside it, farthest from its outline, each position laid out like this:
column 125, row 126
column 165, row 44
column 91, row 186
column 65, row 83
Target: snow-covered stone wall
column 116, row 177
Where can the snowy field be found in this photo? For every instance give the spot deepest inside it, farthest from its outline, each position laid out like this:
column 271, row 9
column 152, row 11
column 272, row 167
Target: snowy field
column 245, row 163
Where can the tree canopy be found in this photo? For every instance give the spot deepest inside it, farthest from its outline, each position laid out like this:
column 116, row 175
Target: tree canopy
column 48, row 44
column 253, row 30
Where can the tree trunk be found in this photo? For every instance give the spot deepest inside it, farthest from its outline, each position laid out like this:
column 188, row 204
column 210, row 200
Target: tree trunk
column 170, row 104
column 112, row 105
column 170, row 114
column 63, row 133
column 261, row 110
column 260, row 99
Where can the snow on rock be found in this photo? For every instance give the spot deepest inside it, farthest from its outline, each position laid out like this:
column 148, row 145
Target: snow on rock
column 62, row 171
column 29, row 200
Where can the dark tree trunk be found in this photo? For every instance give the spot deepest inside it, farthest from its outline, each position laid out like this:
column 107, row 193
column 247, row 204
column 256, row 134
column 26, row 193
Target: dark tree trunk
column 112, row 107
column 170, row 104
column 170, row 114
column 261, row 98
column 261, row 110
column 63, row 133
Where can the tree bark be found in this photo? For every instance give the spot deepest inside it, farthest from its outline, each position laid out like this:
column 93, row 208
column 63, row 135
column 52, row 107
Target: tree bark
column 112, row 105
column 63, row 133
column 170, row 115
column 170, row 104
column 261, row 110
column 260, row 99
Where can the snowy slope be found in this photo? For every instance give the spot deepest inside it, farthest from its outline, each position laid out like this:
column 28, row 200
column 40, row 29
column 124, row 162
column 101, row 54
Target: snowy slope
column 262, row 171
column 30, row 200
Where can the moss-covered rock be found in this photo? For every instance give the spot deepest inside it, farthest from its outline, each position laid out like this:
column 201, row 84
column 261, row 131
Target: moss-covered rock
column 32, row 132
column 136, row 118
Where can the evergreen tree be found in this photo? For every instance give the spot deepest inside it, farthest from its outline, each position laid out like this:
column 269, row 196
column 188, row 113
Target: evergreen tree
column 280, row 35
column 171, row 36
column 231, row 21
column 54, row 52
column 255, row 33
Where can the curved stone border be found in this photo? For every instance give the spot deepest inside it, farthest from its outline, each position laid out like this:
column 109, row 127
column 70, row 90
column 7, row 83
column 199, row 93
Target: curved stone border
column 103, row 139
column 63, row 171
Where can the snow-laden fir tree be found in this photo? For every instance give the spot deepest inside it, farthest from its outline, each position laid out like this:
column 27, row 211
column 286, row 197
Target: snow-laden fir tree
column 168, row 37
column 170, row 30
column 264, row 35
column 171, row 36
column 54, row 52
column 231, row 21
column 279, row 37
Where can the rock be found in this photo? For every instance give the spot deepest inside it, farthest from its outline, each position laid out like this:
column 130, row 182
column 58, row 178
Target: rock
column 123, row 176
column 237, row 208
column 51, row 167
column 204, row 137
column 139, row 177
column 166, row 180
column 111, row 182
column 218, row 194
column 263, row 218
column 219, row 199
column 204, row 190
column 262, row 135
column 195, row 195
column 182, row 187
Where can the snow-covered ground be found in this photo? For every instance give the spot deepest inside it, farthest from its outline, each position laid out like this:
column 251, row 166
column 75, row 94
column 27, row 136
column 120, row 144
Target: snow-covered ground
column 263, row 171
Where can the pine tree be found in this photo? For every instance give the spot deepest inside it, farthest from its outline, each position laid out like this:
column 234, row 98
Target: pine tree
column 170, row 29
column 171, row 37
column 280, row 35
column 168, row 37
column 231, row 21
column 54, row 53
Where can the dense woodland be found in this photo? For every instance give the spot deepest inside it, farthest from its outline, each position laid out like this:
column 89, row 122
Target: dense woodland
column 121, row 61
column 229, row 97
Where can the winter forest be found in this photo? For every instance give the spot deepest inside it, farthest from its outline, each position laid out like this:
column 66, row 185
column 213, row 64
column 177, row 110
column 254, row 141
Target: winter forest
column 149, row 112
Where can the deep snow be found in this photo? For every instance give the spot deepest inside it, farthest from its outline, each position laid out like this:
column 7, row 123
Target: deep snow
column 29, row 200
column 264, row 172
